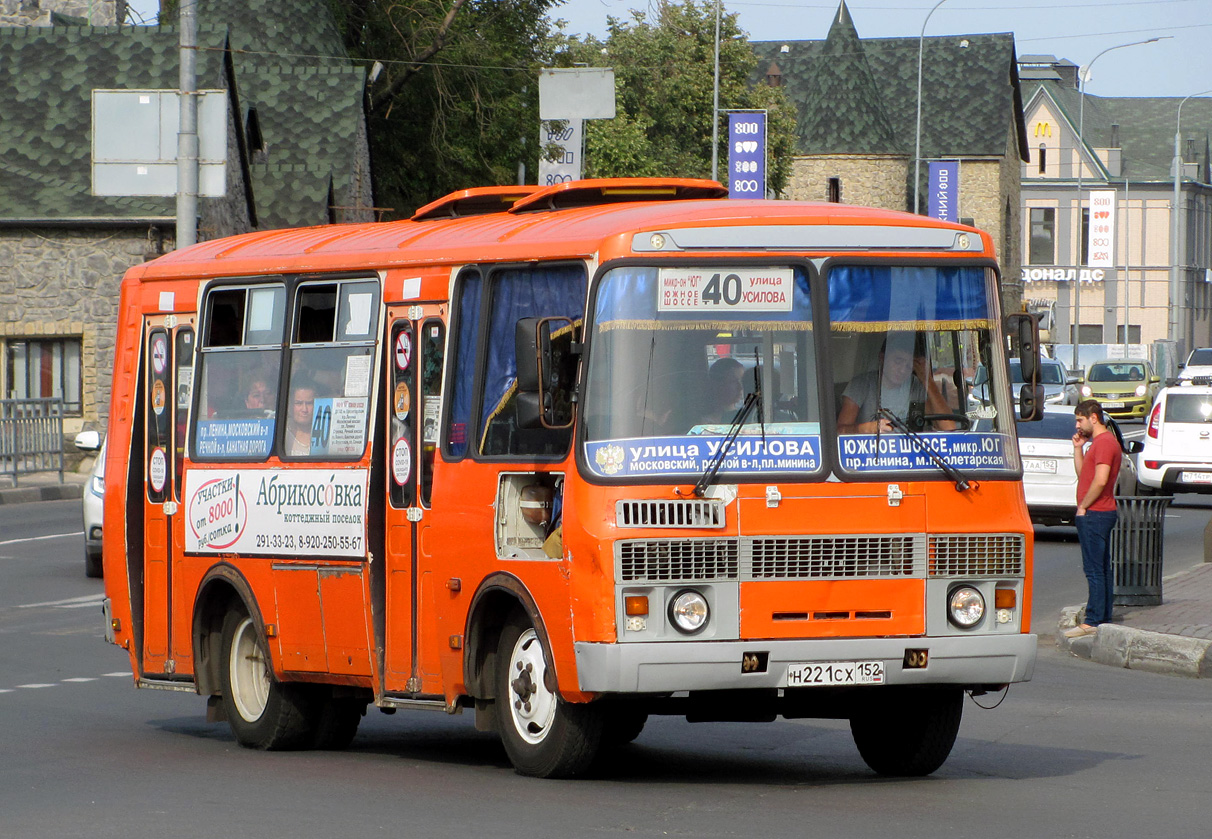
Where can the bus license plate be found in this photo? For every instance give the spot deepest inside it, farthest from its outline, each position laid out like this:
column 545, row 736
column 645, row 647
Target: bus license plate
column 826, row 673
column 1197, row 477
column 1040, row 465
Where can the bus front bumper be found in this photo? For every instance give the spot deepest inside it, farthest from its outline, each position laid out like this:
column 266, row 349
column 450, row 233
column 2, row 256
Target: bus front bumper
column 968, row 660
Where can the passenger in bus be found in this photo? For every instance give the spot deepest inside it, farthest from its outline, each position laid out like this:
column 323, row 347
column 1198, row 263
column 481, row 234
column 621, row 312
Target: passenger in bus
column 298, row 425
column 259, row 396
column 725, row 392
column 901, row 378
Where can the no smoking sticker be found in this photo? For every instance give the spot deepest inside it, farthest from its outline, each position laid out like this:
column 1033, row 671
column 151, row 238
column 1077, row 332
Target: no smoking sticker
column 403, row 350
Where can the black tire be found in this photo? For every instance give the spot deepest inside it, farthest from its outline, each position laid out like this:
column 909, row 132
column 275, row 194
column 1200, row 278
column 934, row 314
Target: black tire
column 1146, row 491
column 263, row 713
column 909, row 733
column 544, row 736
column 92, row 564
column 338, row 722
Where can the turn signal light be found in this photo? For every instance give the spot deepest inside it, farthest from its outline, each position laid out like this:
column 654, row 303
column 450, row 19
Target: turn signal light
column 1005, row 598
column 635, row 605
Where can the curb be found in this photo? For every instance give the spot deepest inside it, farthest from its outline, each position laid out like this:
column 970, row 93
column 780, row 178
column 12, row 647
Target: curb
column 54, row 492
column 1137, row 649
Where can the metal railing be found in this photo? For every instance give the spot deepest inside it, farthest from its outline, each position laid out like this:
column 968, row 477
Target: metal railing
column 31, row 436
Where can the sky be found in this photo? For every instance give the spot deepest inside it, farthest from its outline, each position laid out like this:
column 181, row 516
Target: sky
column 1074, row 29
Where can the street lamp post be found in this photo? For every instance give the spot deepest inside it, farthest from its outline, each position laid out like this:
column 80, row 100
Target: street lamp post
column 1174, row 218
column 715, row 102
column 1084, row 73
column 917, row 144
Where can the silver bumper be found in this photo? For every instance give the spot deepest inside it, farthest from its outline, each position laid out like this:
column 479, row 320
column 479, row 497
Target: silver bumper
column 716, row 665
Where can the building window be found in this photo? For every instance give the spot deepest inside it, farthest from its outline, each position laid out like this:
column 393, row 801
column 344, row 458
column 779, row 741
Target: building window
column 1042, row 249
column 1133, row 334
column 1043, row 158
column 1088, row 333
column 46, row 368
column 835, row 191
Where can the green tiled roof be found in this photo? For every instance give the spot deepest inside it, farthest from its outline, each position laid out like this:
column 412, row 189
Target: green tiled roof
column 1146, row 127
column 970, row 92
column 287, row 61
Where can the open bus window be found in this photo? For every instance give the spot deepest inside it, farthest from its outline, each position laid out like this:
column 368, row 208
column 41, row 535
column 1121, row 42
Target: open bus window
column 239, row 361
column 675, row 353
column 331, row 369
column 516, row 293
column 906, row 345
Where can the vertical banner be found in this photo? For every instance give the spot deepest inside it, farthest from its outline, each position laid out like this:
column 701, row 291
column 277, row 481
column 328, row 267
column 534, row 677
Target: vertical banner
column 1101, row 243
column 943, row 192
column 746, row 154
column 566, row 135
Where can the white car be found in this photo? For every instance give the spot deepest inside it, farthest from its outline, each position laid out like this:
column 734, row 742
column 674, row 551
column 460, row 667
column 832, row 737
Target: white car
column 1177, row 455
column 94, row 502
column 1049, row 480
column 1199, row 363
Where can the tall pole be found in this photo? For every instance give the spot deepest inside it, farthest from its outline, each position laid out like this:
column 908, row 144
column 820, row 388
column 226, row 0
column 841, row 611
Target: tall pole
column 917, row 143
column 1127, row 260
column 1173, row 326
column 187, row 130
column 715, row 102
column 1084, row 73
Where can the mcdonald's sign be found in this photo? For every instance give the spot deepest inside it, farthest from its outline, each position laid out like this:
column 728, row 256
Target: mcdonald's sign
column 1043, row 129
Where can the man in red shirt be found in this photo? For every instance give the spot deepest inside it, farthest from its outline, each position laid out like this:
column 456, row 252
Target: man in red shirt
column 1097, row 470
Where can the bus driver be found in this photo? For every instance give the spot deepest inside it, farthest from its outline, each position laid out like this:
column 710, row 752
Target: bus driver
column 901, row 379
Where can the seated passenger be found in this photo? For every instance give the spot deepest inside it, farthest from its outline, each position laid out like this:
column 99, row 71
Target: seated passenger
column 902, row 378
column 258, row 396
column 725, row 393
column 298, row 425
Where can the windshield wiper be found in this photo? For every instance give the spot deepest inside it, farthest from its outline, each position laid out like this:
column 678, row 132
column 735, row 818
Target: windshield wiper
column 713, row 467
column 961, row 483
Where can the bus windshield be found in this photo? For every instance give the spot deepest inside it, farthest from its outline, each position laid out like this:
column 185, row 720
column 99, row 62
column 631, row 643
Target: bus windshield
column 675, row 352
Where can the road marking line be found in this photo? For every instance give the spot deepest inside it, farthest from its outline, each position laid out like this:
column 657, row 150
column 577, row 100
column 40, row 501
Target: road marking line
column 116, row 675
column 82, row 679
column 33, row 687
column 70, row 603
column 41, row 538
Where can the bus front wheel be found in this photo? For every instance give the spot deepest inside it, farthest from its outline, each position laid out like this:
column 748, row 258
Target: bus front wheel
column 909, row 733
column 543, row 735
column 263, row 713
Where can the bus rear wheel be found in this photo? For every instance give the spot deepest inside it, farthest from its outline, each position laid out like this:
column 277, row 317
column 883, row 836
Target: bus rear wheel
column 543, row 735
column 909, row 733
column 263, row 713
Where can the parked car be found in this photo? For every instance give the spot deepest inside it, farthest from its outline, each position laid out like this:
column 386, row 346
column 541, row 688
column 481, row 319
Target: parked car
column 1199, row 363
column 1177, row 454
column 94, row 498
column 1059, row 387
column 1049, row 479
column 1126, row 388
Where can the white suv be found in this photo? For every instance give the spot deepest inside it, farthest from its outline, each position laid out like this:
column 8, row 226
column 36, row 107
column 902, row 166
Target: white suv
column 1199, row 363
column 1177, row 455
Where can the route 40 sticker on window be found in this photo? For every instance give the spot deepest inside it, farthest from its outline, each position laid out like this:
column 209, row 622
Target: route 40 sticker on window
column 725, row 289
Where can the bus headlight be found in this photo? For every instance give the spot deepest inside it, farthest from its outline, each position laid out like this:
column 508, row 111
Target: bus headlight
column 688, row 612
column 965, row 607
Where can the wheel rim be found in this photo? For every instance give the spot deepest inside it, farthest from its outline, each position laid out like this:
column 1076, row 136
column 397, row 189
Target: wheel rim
column 532, row 706
column 248, row 672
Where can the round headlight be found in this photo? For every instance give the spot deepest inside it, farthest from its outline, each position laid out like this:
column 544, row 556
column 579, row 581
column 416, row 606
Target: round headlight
column 688, row 612
column 1140, row 390
column 965, row 607
column 1086, row 391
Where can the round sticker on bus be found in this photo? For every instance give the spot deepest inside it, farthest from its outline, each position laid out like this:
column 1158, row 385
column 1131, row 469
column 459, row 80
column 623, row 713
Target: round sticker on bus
column 159, row 354
column 157, row 469
column 402, row 401
column 401, row 462
column 403, row 350
column 158, row 397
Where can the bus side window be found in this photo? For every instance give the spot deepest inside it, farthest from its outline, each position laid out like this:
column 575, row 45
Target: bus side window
column 462, row 370
column 236, row 395
column 433, row 343
column 331, row 365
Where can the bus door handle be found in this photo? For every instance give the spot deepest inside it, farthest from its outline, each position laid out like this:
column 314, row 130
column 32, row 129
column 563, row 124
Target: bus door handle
column 413, row 513
column 170, row 508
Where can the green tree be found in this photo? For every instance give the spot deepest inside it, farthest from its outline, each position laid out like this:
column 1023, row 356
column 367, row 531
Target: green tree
column 456, row 102
column 664, row 70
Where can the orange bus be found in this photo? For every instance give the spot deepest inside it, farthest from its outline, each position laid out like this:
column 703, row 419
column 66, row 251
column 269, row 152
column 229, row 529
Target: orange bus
column 570, row 457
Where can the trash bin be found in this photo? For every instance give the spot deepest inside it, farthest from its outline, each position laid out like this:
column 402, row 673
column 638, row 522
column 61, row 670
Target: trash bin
column 1136, row 549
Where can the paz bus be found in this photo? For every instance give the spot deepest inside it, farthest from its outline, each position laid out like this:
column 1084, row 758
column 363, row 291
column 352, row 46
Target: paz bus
column 570, row 457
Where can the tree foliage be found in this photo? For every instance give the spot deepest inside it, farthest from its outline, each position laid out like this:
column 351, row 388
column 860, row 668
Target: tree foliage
column 664, row 70
column 456, row 103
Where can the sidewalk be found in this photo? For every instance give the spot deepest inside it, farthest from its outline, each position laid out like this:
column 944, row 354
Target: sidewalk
column 1174, row 638
column 42, row 486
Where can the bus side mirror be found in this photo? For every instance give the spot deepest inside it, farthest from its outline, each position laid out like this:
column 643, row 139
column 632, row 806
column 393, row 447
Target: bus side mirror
column 1025, row 328
column 1031, row 403
column 542, row 347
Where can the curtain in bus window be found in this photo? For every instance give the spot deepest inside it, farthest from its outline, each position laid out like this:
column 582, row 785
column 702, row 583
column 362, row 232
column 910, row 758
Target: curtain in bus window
column 517, row 294
column 875, row 298
column 464, row 366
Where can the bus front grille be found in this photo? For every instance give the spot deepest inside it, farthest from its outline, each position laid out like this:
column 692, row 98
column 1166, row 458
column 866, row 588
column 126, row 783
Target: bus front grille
column 837, row 557
column 662, row 560
column 659, row 512
column 977, row 555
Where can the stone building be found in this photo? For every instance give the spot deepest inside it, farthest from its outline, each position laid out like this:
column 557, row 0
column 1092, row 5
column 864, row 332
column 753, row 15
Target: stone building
column 297, row 154
column 1125, row 146
column 856, row 101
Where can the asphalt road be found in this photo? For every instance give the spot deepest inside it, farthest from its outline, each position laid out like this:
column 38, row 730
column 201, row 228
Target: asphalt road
column 1082, row 750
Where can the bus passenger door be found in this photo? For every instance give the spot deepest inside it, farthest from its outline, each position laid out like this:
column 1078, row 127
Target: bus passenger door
column 168, row 354
column 415, row 345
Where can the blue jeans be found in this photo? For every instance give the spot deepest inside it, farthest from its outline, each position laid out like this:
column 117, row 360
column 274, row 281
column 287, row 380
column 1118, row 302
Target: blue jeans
column 1094, row 535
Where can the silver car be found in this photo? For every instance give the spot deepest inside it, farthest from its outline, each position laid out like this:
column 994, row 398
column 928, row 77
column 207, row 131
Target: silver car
column 94, row 502
column 1059, row 387
column 1049, row 480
